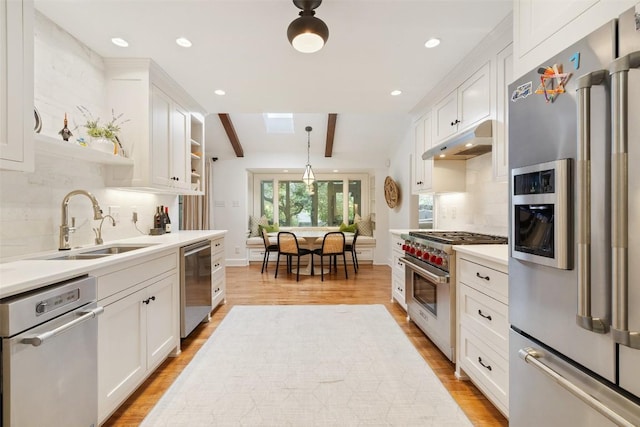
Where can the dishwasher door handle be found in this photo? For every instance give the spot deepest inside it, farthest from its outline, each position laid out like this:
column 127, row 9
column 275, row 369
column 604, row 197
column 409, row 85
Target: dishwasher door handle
column 84, row 315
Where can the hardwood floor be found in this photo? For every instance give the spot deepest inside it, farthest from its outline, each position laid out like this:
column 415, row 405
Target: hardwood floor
column 246, row 286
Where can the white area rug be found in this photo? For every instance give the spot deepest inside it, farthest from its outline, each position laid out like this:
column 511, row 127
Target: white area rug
column 337, row 365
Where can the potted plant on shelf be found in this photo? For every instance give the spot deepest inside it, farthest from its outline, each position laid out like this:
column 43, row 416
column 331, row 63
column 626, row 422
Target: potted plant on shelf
column 104, row 138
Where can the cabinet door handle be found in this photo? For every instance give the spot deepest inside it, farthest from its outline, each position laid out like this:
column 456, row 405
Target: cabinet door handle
column 486, row 316
column 455, row 122
column 478, row 275
column 485, row 366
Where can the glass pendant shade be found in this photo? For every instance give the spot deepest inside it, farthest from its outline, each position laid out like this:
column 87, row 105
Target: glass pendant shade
column 308, row 177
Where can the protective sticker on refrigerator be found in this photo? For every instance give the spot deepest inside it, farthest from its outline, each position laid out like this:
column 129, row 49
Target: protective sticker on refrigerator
column 552, row 81
column 521, row 91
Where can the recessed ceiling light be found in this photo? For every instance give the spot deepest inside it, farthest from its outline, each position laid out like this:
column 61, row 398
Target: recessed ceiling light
column 336, row 171
column 396, row 92
column 443, row 155
column 219, row 92
column 184, row 42
column 469, row 144
column 119, row 42
column 432, row 42
column 285, row 170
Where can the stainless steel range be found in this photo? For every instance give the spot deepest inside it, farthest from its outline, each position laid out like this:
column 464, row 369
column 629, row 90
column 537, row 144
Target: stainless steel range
column 430, row 272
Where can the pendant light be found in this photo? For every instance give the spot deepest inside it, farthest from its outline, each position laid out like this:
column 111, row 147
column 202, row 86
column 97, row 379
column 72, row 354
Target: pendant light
column 307, row 34
column 308, row 177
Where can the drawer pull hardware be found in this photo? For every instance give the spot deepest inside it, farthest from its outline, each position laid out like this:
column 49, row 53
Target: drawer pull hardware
column 485, row 366
column 478, row 275
column 148, row 300
column 488, row 317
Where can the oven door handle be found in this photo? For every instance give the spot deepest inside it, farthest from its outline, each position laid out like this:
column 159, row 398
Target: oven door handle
column 84, row 315
column 435, row 278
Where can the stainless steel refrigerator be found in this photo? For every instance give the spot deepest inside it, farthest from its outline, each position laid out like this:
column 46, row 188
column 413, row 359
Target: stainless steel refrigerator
column 574, row 266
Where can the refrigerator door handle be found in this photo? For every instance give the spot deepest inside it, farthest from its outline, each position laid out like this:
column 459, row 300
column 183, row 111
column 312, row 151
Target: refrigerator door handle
column 531, row 356
column 619, row 71
column 584, row 319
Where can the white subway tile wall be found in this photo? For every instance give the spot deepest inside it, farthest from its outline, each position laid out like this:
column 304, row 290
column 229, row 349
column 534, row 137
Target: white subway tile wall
column 67, row 74
column 483, row 208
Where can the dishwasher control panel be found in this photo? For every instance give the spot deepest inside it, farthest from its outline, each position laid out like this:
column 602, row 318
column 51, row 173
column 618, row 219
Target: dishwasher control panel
column 57, row 301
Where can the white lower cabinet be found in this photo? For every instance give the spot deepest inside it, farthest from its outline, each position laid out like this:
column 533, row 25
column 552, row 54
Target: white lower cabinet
column 483, row 327
column 218, row 281
column 139, row 327
column 397, row 271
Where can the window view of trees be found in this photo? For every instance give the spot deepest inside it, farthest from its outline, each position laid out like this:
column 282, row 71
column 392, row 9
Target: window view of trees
column 296, row 207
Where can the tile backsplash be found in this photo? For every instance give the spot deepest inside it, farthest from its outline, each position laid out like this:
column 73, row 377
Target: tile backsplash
column 67, row 74
column 483, row 208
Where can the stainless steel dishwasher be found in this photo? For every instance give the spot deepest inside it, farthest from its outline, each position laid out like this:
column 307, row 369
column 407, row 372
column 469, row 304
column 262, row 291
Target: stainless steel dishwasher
column 49, row 354
column 195, row 285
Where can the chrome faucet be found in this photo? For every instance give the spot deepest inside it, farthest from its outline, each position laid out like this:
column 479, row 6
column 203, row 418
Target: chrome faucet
column 98, row 230
column 64, row 227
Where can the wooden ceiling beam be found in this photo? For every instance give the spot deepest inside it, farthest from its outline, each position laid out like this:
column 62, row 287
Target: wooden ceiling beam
column 231, row 134
column 331, row 132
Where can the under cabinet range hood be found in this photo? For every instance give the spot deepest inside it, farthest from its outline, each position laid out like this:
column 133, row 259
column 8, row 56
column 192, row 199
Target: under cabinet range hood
column 473, row 142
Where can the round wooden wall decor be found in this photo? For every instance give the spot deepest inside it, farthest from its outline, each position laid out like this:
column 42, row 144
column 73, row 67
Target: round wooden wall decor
column 391, row 192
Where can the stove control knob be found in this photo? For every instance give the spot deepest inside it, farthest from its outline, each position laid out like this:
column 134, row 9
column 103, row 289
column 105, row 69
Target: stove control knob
column 439, row 260
column 404, row 247
column 412, row 250
column 425, row 256
column 419, row 253
column 433, row 258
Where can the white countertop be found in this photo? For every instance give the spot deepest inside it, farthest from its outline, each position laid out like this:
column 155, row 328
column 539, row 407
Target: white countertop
column 495, row 253
column 29, row 273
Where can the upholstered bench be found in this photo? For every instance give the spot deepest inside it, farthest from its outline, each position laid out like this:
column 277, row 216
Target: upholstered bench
column 365, row 246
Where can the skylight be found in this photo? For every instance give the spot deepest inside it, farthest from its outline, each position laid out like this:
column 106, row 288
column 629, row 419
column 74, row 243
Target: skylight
column 278, row 122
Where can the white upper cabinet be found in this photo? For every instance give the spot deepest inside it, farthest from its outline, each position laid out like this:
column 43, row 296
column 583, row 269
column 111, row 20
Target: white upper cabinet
column 467, row 105
column 504, row 63
column 542, row 28
column 159, row 134
column 16, row 85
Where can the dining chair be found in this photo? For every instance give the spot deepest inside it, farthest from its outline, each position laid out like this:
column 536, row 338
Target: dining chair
column 351, row 247
column 268, row 249
column 288, row 245
column 332, row 246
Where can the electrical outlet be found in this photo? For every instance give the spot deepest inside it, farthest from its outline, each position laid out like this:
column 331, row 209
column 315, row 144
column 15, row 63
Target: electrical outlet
column 237, row 249
column 114, row 211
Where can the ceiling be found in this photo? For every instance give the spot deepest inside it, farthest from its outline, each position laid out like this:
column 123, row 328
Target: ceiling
column 240, row 46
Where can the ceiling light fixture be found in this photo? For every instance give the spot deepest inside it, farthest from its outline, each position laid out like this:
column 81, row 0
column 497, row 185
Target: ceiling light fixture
column 308, row 177
column 432, row 42
column 396, row 92
column 307, row 34
column 219, row 92
column 119, row 42
column 184, row 42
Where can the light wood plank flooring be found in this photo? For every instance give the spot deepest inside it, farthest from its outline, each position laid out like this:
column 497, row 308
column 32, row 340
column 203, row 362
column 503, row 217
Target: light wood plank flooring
column 246, row 286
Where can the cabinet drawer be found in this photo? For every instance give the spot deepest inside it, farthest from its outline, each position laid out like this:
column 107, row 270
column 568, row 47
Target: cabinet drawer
column 488, row 370
column 364, row 254
column 396, row 243
column 486, row 280
column 143, row 269
column 487, row 317
column 217, row 246
column 398, row 291
column 398, row 265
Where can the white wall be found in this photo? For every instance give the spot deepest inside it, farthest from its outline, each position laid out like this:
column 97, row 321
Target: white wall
column 483, row 208
column 67, row 74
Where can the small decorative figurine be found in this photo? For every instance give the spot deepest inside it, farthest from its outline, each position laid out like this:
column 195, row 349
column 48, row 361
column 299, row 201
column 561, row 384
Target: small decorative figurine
column 65, row 132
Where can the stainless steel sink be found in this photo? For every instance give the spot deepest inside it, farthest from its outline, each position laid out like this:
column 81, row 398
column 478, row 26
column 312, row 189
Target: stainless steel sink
column 79, row 257
column 113, row 249
column 102, row 252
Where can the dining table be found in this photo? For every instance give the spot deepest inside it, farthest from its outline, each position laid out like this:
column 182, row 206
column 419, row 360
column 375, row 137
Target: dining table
column 311, row 239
